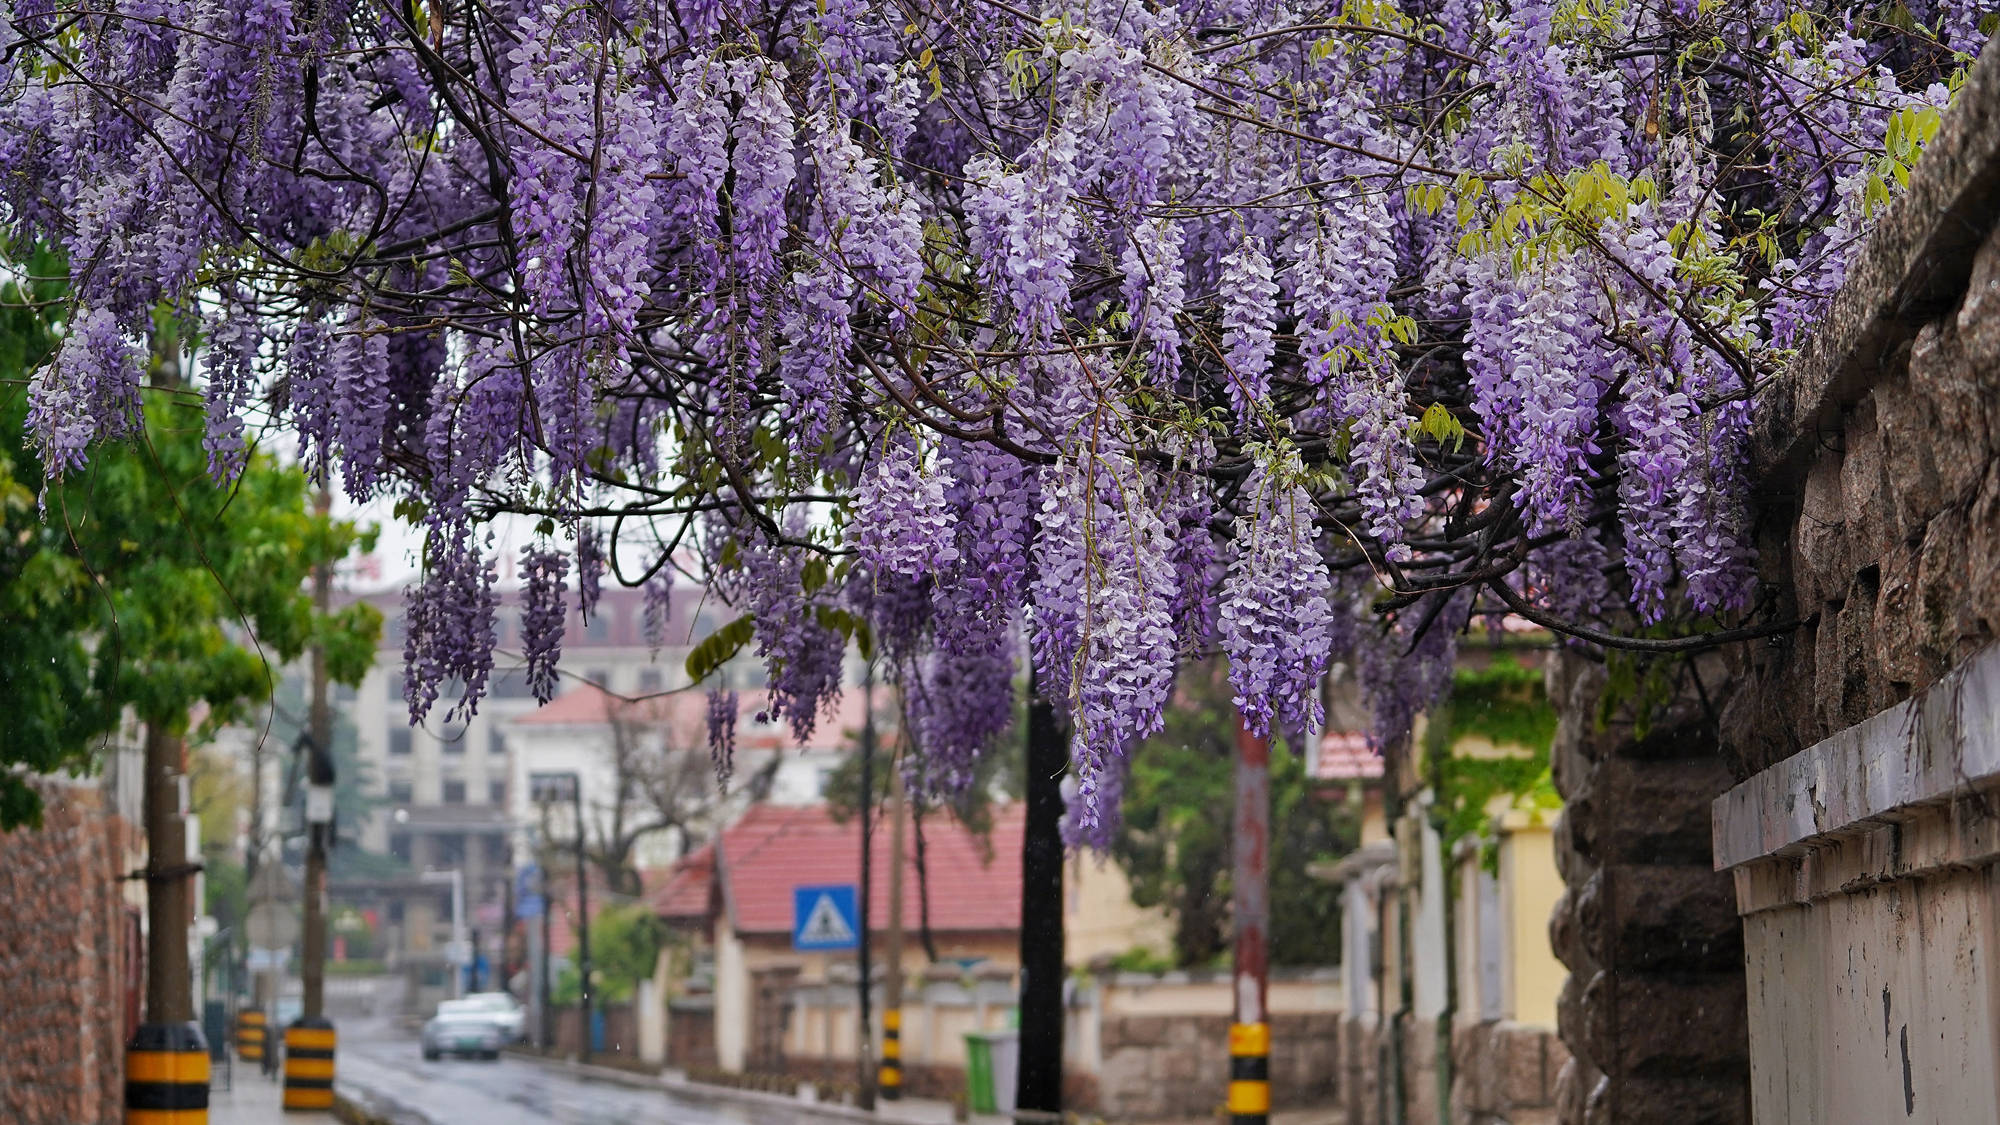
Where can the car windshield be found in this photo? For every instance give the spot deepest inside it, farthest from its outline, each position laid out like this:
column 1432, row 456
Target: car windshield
column 462, row 1020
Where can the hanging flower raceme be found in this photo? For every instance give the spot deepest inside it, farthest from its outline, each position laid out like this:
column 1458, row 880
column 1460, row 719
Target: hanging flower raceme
column 91, row 391
column 1102, row 621
column 1275, row 617
column 1249, row 318
column 902, row 522
column 544, row 574
column 450, row 624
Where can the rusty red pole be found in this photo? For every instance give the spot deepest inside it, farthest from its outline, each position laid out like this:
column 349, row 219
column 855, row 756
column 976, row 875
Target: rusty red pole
column 1250, row 1033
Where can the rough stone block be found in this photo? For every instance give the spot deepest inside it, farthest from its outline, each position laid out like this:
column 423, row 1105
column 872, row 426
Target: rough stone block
column 1820, row 563
column 1527, row 1078
column 1683, row 1025
column 1908, row 426
column 1961, row 405
column 1647, row 812
column 1948, row 620
column 1864, row 484
column 1977, row 325
column 1660, row 919
column 1575, row 1082
column 1901, row 640
column 1982, row 581
column 1672, row 1101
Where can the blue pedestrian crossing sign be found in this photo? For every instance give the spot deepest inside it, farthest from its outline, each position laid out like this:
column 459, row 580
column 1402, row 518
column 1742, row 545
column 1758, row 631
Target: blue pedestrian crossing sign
column 824, row 919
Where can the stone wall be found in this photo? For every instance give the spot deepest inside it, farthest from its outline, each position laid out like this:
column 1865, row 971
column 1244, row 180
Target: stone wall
column 1879, row 454
column 1168, row 1066
column 1877, row 459
column 1503, row 1073
column 1653, row 1011
column 68, row 980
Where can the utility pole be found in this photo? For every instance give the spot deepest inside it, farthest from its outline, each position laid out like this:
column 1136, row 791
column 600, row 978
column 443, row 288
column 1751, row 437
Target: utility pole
column 167, row 1060
column 890, row 1077
column 309, row 1042
column 864, row 1040
column 1249, row 1100
column 1038, row 1083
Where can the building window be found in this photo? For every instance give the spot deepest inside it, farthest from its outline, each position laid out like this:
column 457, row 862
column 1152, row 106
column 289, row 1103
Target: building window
column 599, row 628
column 399, row 740
column 399, row 792
column 651, row 679
column 598, row 676
column 343, row 693
column 496, row 794
column 399, row 846
column 454, row 792
column 496, row 744
column 453, row 741
column 497, row 852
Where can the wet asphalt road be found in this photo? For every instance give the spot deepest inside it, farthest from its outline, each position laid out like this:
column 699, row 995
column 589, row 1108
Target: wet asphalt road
column 383, row 1061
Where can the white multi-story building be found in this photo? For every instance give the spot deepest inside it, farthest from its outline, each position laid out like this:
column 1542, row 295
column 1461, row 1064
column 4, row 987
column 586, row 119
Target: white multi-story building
column 455, row 792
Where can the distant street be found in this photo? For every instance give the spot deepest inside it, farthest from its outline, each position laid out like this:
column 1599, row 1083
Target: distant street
column 383, row 1060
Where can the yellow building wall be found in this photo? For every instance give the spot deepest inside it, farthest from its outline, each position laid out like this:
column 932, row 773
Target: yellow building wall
column 1100, row 917
column 1529, row 890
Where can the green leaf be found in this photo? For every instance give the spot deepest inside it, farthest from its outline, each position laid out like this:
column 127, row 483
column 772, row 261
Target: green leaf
column 719, row 647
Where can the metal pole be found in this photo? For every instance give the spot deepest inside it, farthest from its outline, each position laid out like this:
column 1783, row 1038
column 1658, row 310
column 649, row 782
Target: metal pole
column 890, row 1076
column 312, row 967
column 864, row 1040
column 1250, row 1034
column 169, row 985
column 582, row 914
column 311, row 1040
column 458, row 930
column 1038, row 1085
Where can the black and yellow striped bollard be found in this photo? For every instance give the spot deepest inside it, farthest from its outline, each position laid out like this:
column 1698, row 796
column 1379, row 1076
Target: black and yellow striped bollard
column 889, row 1079
column 166, row 1075
column 1249, row 1073
column 250, row 1035
column 309, row 1063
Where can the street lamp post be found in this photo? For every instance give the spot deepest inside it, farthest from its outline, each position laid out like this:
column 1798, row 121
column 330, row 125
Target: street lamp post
column 547, row 788
column 457, row 957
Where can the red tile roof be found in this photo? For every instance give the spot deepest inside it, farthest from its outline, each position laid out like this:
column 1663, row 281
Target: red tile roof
column 681, row 892
column 1345, row 756
column 773, row 849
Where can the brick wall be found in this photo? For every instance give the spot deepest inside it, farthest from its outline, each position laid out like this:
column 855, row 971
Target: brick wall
column 66, row 939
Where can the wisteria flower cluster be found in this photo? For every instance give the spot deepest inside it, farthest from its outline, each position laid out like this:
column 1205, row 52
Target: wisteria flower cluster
column 1074, row 347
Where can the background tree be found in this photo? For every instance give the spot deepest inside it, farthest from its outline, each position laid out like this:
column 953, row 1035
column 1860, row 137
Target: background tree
column 662, row 781
column 625, row 946
column 1175, row 846
column 134, row 582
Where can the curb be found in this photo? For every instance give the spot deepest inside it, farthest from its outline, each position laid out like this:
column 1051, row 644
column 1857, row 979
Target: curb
column 354, row 1106
column 832, row 1111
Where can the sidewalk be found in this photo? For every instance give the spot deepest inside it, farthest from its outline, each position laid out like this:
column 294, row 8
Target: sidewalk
column 256, row 1100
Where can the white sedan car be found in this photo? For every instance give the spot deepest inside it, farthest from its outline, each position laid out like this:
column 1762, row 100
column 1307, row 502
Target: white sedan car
column 505, row 1012
column 461, row 1033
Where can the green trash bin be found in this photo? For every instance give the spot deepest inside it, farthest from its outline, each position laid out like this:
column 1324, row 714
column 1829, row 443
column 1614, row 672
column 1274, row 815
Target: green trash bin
column 979, row 1073
column 992, row 1059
